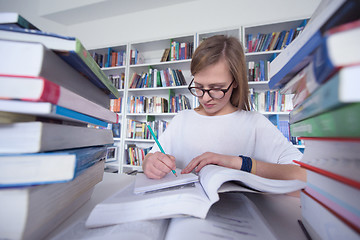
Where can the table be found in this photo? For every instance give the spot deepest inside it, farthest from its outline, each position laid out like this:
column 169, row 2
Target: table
column 280, row 211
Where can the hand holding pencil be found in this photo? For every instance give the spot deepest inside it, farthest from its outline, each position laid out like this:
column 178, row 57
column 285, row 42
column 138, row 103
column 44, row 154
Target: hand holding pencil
column 157, row 165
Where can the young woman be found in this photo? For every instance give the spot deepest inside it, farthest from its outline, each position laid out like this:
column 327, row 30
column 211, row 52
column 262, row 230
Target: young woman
column 222, row 130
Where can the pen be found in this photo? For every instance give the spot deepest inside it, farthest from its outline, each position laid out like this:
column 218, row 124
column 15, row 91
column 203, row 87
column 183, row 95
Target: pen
column 158, row 143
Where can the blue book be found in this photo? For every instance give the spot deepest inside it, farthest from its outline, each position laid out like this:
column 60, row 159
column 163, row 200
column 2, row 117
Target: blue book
column 19, row 170
column 70, row 49
column 48, row 110
column 341, row 89
column 297, row 55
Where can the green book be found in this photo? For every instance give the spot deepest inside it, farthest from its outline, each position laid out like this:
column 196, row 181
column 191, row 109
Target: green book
column 340, row 122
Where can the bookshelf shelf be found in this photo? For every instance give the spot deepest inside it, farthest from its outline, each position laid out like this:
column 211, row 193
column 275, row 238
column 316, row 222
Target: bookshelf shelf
column 156, row 89
column 113, row 68
column 157, row 63
column 140, row 140
column 275, row 113
column 150, row 114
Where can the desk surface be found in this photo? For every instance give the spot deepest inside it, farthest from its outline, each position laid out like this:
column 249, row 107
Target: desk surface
column 280, row 211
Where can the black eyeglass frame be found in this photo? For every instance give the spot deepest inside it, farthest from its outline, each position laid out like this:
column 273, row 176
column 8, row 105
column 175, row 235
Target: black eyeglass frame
column 208, row 90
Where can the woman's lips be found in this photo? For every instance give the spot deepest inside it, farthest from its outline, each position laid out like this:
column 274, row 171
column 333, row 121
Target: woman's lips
column 208, row 105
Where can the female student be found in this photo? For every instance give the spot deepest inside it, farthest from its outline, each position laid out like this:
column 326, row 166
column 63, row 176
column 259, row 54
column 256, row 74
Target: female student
column 222, row 130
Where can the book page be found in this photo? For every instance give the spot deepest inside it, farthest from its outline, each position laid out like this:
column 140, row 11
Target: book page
column 147, row 230
column 212, row 177
column 233, row 217
column 126, row 206
column 144, row 184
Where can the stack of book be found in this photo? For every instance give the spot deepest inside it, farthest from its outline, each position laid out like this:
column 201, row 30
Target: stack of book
column 322, row 69
column 54, row 102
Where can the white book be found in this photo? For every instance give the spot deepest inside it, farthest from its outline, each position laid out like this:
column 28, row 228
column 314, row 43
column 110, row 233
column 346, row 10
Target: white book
column 233, row 217
column 31, row 137
column 194, row 200
column 33, row 212
column 35, row 60
column 38, row 89
column 322, row 223
column 143, row 184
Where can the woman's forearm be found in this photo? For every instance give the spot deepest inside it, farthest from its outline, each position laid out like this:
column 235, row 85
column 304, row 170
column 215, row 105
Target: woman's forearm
column 279, row 171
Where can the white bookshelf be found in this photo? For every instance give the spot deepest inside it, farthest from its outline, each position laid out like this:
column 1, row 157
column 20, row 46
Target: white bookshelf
column 152, row 51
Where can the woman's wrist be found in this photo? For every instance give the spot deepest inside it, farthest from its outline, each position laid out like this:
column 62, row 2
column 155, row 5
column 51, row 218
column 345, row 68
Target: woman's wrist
column 247, row 164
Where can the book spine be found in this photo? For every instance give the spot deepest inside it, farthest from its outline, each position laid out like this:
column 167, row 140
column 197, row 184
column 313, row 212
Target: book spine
column 326, row 97
column 341, row 122
column 81, row 60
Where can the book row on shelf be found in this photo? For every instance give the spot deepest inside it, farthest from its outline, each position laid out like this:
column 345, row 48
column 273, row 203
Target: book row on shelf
column 272, row 41
column 138, row 129
column 258, row 71
column 155, row 104
column 54, row 108
column 179, row 51
column 110, row 59
column 118, row 80
column 115, row 105
column 135, row 155
column 136, row 57
column 157, row 78
column 324, row 76
column 270, row 101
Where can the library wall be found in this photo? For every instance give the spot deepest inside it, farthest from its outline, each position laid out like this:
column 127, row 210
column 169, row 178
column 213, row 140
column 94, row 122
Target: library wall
column 161, row 21
column 188, row 17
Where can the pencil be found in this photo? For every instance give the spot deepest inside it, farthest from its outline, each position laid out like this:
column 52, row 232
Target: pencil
column 158, row 143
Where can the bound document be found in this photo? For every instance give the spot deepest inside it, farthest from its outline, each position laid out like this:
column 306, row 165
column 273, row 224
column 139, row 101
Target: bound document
column 191, row 200
column 144, row 184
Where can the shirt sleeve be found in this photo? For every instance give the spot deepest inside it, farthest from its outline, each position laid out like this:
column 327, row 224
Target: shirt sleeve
column 272, row 146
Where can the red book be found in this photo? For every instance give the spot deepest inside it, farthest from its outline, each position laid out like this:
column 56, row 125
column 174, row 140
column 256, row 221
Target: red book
column 38, row 89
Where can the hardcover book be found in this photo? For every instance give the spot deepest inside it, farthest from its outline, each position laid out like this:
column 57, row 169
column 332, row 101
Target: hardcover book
column 297, row 55
column 321, row 222
column 32, row 137
column 38, row 89
column 33, row 212
column 19, row 170
column 341, row 89
column 70, row 49
column 35, row 60
column 340, row 122
column 15, row 20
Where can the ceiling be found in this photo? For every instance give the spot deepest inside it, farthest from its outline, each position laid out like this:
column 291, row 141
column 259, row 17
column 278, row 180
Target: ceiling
column 71, row 12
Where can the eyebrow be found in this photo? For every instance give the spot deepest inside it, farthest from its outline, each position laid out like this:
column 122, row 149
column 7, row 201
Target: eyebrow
column 213, row 85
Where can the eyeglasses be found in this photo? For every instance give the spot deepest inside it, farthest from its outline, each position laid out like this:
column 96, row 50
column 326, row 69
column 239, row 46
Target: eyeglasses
column 215, row 93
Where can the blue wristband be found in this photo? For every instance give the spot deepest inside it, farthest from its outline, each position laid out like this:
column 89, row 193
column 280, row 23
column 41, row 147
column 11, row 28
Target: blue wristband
column 246, row 163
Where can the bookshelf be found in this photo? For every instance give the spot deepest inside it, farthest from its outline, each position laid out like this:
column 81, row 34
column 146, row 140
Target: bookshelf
column 259, row 53
column 145, row 55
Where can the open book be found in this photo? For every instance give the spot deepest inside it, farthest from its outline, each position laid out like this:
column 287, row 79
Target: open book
column 192, row 200
column 143, row 184
column 234, row 216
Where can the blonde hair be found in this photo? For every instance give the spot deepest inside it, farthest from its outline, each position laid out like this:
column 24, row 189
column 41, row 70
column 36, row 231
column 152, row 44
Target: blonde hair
column 211, row 50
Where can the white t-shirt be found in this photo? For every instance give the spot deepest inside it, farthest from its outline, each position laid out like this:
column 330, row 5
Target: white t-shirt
column 239, row 133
